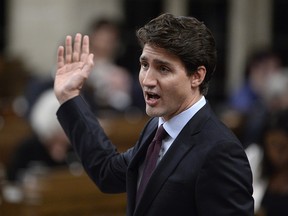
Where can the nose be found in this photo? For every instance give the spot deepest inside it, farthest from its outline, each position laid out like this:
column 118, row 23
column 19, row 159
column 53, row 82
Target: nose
column 148, row 78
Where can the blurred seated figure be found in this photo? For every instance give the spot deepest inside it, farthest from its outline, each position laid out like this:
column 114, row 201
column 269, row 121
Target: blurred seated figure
column 47, row 147
column 269, row 163
column 110, row 84
column 248, row 104
column 276, row 91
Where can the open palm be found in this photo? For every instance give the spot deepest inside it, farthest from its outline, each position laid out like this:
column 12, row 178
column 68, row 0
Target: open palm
column 74, row 64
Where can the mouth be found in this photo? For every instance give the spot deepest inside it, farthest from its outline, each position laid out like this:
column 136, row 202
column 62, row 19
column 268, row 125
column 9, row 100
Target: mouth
column 151, row 98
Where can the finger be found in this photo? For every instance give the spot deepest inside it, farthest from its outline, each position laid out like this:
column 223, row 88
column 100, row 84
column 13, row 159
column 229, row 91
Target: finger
column 85, row 48
column 88, row 66
column 68, row 49
column 77, row 47
column 60, row 57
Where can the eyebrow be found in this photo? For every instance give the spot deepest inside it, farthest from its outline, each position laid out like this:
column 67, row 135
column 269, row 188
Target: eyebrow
column 142, row 58
column 156, row 61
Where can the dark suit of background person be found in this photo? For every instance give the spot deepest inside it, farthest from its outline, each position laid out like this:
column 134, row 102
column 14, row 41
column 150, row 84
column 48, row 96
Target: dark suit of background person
column 204, row 172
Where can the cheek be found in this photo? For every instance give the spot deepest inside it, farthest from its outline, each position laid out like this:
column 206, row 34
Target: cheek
column 181, row 89
column 177, row 94
column 140, row 77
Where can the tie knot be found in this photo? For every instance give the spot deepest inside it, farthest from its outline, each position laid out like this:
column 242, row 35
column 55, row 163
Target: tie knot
column 160, row 133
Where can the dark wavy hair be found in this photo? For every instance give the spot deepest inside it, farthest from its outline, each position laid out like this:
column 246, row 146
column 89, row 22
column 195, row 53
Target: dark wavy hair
column 185, row 37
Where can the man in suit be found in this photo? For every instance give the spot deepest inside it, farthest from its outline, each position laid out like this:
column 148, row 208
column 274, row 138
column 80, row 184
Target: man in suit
column 201, row 167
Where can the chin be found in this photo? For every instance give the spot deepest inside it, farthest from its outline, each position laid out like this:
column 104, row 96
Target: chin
column 153, row 112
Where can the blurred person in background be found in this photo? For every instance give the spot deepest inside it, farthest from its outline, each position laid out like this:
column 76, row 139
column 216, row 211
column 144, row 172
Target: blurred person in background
column 47, row 147
column 248, row 103
column 109, row 84
column 276, row 98
column 269, row 162
column 275, row 93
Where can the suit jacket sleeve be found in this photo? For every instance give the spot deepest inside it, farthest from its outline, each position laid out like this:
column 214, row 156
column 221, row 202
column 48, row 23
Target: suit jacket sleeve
column 105, row 166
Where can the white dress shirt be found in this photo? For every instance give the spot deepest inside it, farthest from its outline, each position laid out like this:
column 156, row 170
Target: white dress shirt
column 174, row 126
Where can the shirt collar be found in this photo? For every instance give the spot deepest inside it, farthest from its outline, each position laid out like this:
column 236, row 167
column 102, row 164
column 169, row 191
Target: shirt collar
column 177, row 123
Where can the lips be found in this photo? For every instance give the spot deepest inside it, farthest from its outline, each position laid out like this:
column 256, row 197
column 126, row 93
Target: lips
column 151, row 98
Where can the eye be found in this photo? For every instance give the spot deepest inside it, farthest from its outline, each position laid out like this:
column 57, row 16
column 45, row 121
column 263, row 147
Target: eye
column 164, row 69
column 144, row 65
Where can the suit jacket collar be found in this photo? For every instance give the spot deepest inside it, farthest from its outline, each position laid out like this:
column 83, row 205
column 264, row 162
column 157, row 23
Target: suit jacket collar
column 182, row 144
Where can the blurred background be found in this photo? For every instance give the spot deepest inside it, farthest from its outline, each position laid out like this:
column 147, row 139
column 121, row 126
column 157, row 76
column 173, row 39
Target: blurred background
column 250, row 84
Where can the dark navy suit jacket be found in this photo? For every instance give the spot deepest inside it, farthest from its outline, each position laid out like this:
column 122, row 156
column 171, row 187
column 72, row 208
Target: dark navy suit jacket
column 205, row 171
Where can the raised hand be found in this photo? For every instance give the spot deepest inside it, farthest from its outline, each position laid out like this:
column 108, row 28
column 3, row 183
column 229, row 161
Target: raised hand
column 74, row 65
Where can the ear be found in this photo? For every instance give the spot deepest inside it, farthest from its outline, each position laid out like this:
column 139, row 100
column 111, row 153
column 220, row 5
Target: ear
column 198, row 76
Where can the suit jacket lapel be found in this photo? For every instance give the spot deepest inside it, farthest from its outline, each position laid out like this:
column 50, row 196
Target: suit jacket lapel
column 182, row 144
column 132, row 173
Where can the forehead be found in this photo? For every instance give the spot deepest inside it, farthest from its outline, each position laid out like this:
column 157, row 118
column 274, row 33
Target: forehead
column 158, row 54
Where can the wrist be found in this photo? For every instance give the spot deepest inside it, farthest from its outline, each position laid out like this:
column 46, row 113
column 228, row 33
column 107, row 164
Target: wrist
column 65, row 97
